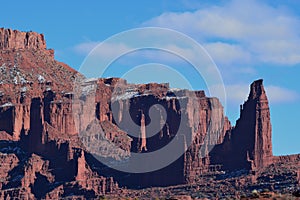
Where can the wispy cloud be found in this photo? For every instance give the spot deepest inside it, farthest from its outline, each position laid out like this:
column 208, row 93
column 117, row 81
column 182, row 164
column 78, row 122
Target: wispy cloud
column 157, row 55
column 85, row 47
column 225, row 53
column 250, row 29
column 106, row 50
column 240, row 33
column 281, row 95
column 276, row 95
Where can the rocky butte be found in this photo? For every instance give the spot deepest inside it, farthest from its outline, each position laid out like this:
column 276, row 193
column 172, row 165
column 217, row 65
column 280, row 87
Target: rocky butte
column 52, row 131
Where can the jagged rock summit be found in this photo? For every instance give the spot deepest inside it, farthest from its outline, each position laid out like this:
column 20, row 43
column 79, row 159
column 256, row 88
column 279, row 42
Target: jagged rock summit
column 49, row 140
column 14, row 39
column 25, row 62
column 249, row 143
column 44, row 158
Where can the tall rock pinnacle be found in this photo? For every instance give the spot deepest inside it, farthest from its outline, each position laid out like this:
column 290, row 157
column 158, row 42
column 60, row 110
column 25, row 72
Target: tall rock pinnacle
column 143, row 134
column 263, row 130
column 251, row 137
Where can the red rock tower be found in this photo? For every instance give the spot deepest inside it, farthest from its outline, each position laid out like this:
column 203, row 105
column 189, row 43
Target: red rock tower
column 263, row 130
column 251, row 142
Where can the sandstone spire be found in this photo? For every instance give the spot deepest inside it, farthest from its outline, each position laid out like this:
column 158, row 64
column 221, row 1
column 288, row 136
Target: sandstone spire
column 143, row 134
column 263, row 131
column 251, row 140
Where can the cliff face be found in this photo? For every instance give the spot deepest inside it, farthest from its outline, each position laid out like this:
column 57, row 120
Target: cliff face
column 13, row 39
column 262, row 152
column 254, row 128
column 49, row 128
column 191, row 117
column 38, row 132
column 249, row 144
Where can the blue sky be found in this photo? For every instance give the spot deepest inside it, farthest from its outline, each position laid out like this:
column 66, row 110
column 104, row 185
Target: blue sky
column 246, row 39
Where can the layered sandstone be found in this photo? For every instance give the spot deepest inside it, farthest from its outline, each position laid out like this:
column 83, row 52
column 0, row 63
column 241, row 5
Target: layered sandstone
column 37, row 119
column 254, row 128
column 13, row 39
column 249, row 144
column 51, row 128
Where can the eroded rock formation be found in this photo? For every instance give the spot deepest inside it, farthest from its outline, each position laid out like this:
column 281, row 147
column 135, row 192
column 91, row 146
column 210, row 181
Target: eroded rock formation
column 50, row 128
column 43, row 153
column 13, row 39
column 249, row 144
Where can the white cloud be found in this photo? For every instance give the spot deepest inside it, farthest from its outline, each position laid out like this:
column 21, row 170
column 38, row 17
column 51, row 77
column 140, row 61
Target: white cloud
column 157, row 55
column 85, row 47
column 285, row 52
column 225, row 53
column 106, row 50
column 281, row 95
column 249, row 29
column 236, row 93
column 239, row 93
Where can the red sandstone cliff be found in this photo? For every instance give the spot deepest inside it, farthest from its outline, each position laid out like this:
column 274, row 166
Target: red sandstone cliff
column 249, row 144
column 13, row 39
column 49, row 129
column 36, row 119
column 254, row 127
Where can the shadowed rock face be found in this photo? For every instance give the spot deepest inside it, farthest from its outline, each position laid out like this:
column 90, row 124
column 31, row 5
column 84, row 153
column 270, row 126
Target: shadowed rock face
column 261, row 154
column 254, row 128
column 249, row 144
column 49, row 134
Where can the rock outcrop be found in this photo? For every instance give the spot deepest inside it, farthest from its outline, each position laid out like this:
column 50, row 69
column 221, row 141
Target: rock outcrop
column 43, row 152
column 52, row 131
column 13, row 39
column 249, row 144
column 261, row 154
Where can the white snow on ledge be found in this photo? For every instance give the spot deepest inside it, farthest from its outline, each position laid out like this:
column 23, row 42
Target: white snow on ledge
column 126, row 95
column 175, row 89
column 91, row 80
column 8, row 104
column 41, row 79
